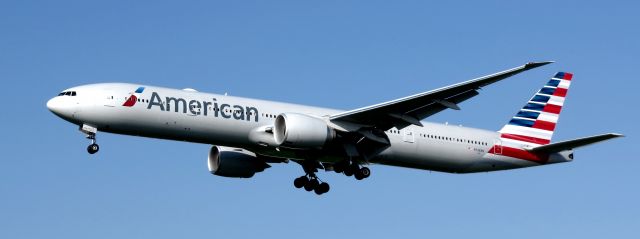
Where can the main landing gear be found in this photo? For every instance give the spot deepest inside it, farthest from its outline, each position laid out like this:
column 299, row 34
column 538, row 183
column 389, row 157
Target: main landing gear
column 310, row 181
column 91, row 131
column 351, row 168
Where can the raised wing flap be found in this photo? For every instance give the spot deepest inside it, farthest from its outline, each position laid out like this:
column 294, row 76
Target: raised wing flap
column 572, row 144
column 410, row 110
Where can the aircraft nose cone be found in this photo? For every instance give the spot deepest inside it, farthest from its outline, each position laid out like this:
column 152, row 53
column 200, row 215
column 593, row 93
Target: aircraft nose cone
column 60, row 107
column 53, row 105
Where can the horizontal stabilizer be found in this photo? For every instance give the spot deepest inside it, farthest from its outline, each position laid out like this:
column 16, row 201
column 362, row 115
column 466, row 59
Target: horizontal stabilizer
column 574, row 143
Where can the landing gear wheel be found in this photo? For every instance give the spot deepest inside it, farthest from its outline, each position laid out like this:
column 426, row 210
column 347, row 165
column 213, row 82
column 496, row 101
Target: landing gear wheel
column 348, row 172
column 300, row 182
column 338, row 168
column 93, row 148
column 341, row 166
column 322, row 188
column 312, row 184
column 365, row 172
column 310, row 181
column 350, row 169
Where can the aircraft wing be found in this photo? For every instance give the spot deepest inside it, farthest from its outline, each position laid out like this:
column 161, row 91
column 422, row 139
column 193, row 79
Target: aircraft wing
column 410, row 110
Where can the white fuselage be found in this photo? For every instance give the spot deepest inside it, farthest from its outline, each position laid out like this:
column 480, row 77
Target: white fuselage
column 187, row 115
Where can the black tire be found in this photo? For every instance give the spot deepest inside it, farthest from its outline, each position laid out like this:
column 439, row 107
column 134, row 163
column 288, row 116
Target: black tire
column 348, row 172
column 93, row 148
column 300, row 182
column 338, row 168
column 325, row 187
column 352, row 168
column 365, row 172
column 312, row 184
column 322, row 188
column 358, row 175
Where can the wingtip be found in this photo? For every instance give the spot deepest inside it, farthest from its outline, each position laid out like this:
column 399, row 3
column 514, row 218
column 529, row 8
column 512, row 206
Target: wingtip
column 616, row 135
column 538, row 64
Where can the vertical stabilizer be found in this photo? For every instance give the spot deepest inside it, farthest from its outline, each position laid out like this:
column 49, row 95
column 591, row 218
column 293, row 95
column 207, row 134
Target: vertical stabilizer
column 536, row 121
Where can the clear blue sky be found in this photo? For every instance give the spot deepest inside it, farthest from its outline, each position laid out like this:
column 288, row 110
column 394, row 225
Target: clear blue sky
column 341, row 54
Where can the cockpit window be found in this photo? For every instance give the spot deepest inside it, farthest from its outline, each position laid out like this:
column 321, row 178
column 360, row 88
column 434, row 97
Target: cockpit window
column 67, row 93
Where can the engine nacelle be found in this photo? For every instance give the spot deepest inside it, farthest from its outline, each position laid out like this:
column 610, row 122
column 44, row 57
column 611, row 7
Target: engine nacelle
column 234, row 162
column 301, row 131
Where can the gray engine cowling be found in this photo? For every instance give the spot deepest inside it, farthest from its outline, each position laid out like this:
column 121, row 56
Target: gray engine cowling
column 234, row 162
column 301, row 131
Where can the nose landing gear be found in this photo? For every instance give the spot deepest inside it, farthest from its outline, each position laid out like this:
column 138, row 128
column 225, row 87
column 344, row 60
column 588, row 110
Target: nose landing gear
column 91, row 131
column 93, row 147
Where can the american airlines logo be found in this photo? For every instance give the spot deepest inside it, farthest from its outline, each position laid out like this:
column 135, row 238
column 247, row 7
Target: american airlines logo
column 197, row 107
column 131, row 101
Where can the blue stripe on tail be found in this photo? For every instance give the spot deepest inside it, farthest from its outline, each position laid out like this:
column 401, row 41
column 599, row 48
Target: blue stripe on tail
column 528, row 115
column 534, row 106
column 521, row 122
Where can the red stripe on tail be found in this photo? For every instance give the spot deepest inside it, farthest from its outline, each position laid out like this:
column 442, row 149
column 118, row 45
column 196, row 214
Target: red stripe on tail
column 561, row 92
column 546, row 125
column 549, row 108
column 525, row 138
column 520, row 154
column 568, row 76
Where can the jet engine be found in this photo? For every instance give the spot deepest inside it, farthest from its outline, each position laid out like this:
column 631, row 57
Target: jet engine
column 301, row 131
column 234, row 162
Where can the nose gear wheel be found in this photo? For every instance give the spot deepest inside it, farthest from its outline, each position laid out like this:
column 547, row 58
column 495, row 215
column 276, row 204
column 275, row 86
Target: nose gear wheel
column 93, row 147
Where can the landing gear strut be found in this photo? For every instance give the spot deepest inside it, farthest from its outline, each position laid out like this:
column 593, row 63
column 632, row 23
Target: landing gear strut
column 91, row 131
column 310, row 181
column 93, row 147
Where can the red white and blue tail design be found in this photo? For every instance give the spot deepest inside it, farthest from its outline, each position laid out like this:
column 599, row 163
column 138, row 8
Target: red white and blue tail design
column 535, row 122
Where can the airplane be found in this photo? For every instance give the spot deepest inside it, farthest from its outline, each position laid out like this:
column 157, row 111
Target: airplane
column 248, row 135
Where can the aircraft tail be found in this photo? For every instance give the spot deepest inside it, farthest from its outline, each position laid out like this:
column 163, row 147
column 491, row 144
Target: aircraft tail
column 536, row 121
